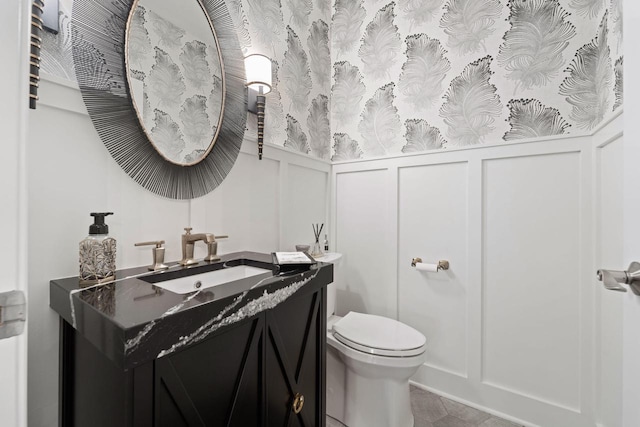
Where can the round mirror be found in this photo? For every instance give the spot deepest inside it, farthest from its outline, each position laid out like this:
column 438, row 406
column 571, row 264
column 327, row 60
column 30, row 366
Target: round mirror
column 176, row 77
column 100, row 57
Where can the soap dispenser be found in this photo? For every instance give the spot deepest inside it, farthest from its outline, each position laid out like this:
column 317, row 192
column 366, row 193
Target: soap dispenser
column 97, row 253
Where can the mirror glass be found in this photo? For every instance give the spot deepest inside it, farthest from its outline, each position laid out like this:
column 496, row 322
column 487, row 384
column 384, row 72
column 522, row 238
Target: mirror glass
column 176, row 77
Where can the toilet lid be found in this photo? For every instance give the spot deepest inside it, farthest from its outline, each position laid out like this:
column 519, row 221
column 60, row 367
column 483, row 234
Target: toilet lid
column 379, row 335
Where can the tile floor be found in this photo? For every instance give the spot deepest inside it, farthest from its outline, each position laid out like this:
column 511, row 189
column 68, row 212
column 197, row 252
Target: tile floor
column 431, row 410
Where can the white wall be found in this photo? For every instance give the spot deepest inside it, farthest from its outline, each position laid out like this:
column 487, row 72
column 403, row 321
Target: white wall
column 14, row 33
column 512, row 326
column 261, row 205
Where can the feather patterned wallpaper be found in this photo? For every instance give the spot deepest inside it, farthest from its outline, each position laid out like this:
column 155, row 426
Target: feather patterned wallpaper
column 369, row 78
column 416, row 75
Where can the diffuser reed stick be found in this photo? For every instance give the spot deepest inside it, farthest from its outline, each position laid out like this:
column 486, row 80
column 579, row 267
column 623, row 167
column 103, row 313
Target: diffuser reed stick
column 317, row 231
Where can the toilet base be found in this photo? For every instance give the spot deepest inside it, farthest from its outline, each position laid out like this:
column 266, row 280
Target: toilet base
column 335, row 385
column 362, row 394
column 376, row 402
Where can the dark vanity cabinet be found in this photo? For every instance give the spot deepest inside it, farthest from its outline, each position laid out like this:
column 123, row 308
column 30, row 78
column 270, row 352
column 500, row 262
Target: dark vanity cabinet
column 265, row 370
column 276, row 358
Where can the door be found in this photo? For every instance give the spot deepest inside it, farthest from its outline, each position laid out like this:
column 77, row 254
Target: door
column 631, row 303
column 14, row 18
column 295, row 363
column 217, row 382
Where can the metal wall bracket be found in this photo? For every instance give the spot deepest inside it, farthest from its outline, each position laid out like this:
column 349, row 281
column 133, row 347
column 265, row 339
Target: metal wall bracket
column 613, row 279
column 13, row 313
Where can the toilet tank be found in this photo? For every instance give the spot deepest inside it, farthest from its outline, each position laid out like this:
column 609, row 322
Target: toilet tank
column 336, row 259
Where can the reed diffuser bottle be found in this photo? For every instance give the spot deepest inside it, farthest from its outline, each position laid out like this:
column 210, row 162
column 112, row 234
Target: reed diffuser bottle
column 316, row 251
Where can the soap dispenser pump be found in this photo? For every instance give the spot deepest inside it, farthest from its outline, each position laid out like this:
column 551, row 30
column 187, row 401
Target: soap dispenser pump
column 97, row 253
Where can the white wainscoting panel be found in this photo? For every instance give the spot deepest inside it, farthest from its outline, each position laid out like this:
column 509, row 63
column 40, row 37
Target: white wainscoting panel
column 513, row 327
column 433, row 225
column 305, row 203
column 531, row 288
column 362, row 227
column 244, row 207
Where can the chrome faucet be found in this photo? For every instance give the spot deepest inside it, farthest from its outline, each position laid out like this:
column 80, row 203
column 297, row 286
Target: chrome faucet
column 188, row 244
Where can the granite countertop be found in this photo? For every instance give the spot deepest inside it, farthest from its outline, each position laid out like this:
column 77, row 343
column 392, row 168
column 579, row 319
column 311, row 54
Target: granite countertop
column 132, row 321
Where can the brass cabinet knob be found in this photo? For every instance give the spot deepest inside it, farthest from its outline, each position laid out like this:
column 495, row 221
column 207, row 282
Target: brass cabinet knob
column 298, row 403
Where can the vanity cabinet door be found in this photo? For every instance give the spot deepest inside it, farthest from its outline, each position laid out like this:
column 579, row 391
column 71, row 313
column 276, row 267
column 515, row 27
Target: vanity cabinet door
column 217, row 382
column 295, row 361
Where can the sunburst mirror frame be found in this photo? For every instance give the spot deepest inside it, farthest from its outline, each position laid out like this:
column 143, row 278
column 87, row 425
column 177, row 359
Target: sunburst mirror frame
column 98, row 37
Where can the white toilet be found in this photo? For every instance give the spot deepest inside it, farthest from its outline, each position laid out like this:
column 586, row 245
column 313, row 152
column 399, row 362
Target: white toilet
column 369, row 362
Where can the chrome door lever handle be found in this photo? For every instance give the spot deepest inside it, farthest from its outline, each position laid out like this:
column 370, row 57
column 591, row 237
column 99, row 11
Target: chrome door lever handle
column 613, row 279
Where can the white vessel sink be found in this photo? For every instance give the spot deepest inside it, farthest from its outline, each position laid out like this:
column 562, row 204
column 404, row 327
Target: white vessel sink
column 185, row 285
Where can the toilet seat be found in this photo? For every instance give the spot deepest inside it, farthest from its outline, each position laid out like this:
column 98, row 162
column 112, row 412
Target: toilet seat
column 377, row 335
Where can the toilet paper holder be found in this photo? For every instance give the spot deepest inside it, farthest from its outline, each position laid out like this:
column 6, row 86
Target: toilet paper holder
column 443, row 264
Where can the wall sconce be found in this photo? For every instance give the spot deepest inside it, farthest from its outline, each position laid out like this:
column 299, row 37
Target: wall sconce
column 37, row 9
column 258, row 68
column 43, row 17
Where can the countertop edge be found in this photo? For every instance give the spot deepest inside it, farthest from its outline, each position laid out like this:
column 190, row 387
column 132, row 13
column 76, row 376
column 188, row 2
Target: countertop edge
column 130, row 346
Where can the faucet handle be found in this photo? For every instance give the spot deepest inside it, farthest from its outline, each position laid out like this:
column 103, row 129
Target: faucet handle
column 158, row 254
column 212, row 252
column 158, row 243
column 212, row 249
column 188, row 230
